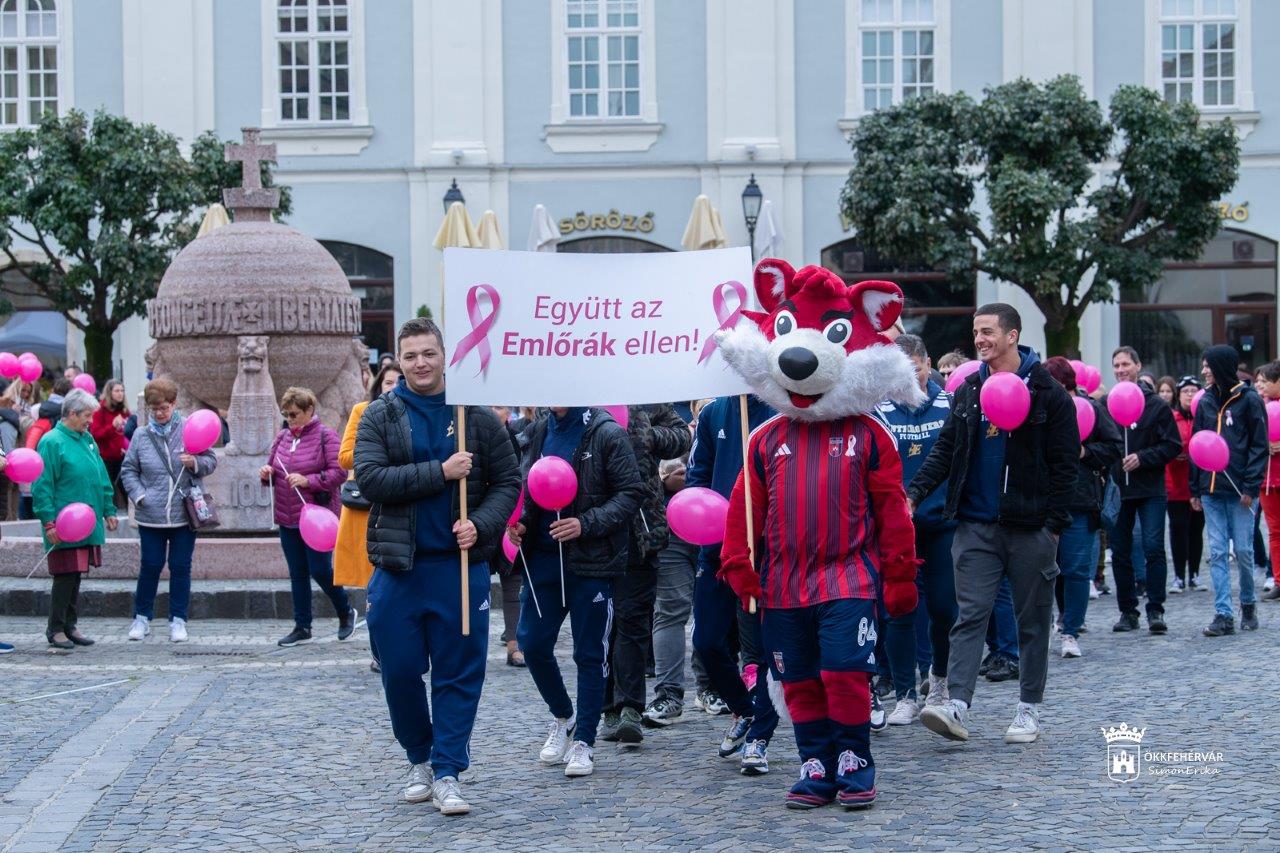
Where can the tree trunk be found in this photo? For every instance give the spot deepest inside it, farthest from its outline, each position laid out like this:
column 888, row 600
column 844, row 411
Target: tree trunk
column 98, row 347
column 1064, row 340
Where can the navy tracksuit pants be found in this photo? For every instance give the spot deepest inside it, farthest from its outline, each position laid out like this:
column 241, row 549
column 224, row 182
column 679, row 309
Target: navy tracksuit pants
column 715, row 610
column 589, row 606
column 415, row 619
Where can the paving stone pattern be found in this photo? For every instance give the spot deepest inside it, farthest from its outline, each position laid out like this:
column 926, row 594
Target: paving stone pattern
column 228, row 743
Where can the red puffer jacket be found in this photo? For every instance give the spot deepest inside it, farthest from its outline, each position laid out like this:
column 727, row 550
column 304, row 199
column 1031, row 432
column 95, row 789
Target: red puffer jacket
column 1177, row 474
column 313, row 452
column 111, row 442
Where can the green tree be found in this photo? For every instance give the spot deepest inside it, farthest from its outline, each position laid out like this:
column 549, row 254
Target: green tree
column 106, row 203
column 214, row 174
column 1077, row 203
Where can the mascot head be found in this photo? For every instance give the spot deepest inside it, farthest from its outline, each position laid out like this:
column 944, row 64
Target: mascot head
column 817, row 351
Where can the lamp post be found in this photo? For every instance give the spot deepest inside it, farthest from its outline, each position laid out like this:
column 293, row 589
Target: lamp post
column 752, row 198
column 454, row 194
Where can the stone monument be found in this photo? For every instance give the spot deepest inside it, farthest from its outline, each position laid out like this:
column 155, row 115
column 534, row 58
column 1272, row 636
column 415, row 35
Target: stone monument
column 245, row 311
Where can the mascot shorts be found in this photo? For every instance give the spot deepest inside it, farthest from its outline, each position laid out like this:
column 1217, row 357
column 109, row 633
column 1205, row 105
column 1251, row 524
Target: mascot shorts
column 834, row 636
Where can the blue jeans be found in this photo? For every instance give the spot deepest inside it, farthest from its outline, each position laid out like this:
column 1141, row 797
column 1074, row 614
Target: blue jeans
column 1151, row 513
column 1077, row 558
column 936, row 584
column 160, row 545
column 306, row 565
column 1002, row 628
column 1226, row 522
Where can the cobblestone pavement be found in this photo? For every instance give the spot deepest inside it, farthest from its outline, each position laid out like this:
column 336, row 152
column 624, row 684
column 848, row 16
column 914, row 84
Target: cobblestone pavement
column 228, row 743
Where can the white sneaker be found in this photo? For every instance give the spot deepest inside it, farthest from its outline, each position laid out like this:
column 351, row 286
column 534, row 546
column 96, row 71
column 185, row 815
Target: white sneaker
column 878, row 721
column 557, row 745
column 1269, row 585
column 947, row 719
column 447, row 796
column 580, row 760
column 1025, row 726
column 938, row 694
column 1070, row 647
column 140, row 628
column 1093, row 590
column 906, row 712
column 178, row 630
column 418, row 788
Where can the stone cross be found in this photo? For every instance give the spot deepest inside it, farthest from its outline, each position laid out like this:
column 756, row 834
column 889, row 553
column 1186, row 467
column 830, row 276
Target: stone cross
column 251, row 202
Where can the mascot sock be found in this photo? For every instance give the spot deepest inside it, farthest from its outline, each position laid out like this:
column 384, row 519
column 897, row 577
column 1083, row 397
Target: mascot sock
column 849, row 704
column 807, row 704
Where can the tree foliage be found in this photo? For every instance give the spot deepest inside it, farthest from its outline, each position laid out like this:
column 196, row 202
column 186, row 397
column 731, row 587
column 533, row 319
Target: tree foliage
column 106, row 204
column 1035, row 186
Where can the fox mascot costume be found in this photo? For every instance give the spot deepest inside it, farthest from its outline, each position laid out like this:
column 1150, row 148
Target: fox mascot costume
column 830, row 518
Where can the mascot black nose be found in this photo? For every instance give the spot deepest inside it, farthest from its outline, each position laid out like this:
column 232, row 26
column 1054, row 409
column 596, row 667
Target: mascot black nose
column 798, row 363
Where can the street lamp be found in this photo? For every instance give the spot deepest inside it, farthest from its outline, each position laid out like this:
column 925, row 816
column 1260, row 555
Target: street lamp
column 454, row 194
column 752, row 198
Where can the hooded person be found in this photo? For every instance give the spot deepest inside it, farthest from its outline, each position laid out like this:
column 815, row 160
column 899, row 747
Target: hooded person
column 830, row 526
column 1233, row 410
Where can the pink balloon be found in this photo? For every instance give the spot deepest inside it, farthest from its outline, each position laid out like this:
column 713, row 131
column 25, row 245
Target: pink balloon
column 1126, row 402
column 30, row 369
column 1209, row 450
column 1079, row 367
column 24, row 466
column 85, row 383
column 75, row 522
column 620, row 414
column 508, row 550
column 518, row 511
column 27, row 355
column 1086, row 417
column 319, row 528
column 1273, row 420
column 1092, row 379
column 8, row 365
column 552, row 483
column 201, row 431
column 697, row 515
column 958, row 375
column 1005, row 400
column 1195, row 401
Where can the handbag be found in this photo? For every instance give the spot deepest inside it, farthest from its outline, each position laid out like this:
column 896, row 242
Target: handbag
column 196, row 505
column 353, row 498
column 1110, row 504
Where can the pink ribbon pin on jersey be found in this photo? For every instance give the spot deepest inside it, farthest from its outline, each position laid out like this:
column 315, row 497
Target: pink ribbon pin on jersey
column 478, row 338
column 727, row 318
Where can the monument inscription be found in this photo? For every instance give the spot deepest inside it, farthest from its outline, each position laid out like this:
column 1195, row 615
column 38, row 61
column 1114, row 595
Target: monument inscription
column 326, row 314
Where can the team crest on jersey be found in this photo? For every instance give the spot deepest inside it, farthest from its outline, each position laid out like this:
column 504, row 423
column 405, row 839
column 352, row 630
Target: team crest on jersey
column 777, row 663
column 834, row 447
column 992, row 430
column 915, row 449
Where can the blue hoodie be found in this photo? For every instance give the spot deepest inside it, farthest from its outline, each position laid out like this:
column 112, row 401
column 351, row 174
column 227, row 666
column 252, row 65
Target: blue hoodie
column 985, row 483
column 716, row 458
column 564, row 434
column 432, row 434
column 916, row 430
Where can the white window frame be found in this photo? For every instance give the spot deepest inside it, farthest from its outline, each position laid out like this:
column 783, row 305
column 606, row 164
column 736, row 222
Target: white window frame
column 1242, row 113
column 571, row 134
column 313, row 136
column 854, row 107
column 61, row 42
column 1200, row 17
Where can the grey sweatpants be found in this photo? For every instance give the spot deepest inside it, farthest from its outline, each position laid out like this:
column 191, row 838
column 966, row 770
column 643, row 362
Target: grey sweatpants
column 983, row 554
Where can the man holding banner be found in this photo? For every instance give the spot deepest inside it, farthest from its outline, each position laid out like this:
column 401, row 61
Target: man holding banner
column 407, row 466
column 573, row 558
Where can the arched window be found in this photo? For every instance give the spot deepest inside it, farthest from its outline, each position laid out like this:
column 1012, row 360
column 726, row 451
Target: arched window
column 372, row 277
column 28, row 61
column 609, row 245
column 1227, row 295
column 937, row 307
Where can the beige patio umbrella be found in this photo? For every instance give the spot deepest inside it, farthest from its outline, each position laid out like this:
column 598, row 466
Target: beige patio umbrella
column 703, row 230
column 456, row 230
column 215, row 217
column 488, row 233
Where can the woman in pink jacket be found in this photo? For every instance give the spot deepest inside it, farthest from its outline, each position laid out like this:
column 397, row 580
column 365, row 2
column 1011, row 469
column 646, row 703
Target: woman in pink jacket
column 303, row 469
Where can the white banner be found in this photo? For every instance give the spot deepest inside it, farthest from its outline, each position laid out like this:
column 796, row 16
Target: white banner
column 540, row 329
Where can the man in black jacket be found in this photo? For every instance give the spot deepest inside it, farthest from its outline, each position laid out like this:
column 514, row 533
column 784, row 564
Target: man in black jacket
column 656, row 433
column 1011, row 492
column 408, row 466
column 1235, row 411
column 1153, row 442
column 585, row 545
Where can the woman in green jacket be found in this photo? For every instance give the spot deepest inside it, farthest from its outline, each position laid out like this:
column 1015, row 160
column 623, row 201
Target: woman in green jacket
column 73, row 473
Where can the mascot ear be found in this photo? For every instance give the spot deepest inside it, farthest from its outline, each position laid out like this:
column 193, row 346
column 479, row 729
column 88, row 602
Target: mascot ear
column 773, row 282
column 881, row 301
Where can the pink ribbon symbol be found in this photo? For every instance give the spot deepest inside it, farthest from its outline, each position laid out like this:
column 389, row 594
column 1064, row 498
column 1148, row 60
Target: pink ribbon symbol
column 478, row 338
column 727, row 318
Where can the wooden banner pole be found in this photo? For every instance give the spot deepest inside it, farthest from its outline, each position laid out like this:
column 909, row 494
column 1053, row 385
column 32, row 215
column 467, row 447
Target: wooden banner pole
column 746, row 482
column 462, row 511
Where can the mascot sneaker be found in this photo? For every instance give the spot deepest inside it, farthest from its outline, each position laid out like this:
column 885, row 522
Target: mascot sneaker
column 857, row 780
column 814, row 789
column 559, row 736
column 755, row 759
column 947, row 719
